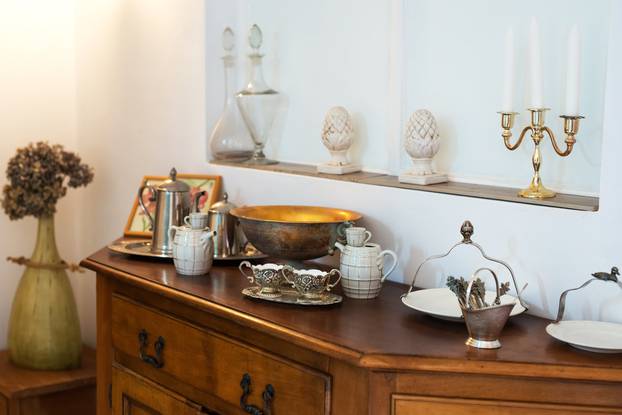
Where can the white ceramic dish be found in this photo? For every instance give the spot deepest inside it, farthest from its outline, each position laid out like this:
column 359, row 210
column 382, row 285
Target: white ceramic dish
column 443, row 304
column 593, row 336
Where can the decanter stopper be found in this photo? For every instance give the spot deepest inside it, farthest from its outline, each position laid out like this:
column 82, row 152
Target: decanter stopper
column 228, row 40
column 255, row 38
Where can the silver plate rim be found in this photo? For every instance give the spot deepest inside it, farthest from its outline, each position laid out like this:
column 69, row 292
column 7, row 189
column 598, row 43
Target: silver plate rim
column 121, row 247
column 330, row 298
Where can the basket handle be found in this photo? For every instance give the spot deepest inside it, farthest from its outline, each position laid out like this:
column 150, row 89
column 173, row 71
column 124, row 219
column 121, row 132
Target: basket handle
column 466, row 230
column 472, row 280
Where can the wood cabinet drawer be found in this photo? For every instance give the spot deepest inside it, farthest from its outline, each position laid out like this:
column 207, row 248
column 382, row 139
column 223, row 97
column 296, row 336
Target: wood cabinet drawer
column 213, row 363
column 423, row 405
column 134, row 395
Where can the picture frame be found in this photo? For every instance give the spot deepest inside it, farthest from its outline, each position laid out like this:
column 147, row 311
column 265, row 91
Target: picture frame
column 138, row 224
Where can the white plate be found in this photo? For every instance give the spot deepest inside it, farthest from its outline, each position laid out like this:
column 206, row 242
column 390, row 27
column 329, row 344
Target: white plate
column 593, row 336
column 442, row 303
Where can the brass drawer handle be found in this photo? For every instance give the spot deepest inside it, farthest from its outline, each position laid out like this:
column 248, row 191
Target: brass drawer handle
column 156, row 361
column 267, row 396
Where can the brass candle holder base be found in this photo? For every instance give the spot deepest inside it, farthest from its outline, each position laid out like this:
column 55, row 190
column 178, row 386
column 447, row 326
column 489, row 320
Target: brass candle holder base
column 537, row 128
column 536, row 191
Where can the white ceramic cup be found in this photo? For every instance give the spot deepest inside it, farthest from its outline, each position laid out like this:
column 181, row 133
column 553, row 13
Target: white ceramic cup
column 357, row 236
column 196, row 220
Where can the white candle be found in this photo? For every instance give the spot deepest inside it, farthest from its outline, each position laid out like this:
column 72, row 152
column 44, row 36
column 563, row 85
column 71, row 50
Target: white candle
column 535, row 66
column 508, row 86
column 572, row 72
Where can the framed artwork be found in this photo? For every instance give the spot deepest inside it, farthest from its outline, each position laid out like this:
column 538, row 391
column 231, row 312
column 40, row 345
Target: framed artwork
column 138, row 224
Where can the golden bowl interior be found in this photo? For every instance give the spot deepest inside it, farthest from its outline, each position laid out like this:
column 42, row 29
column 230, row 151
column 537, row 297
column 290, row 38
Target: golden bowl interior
column 295, row 214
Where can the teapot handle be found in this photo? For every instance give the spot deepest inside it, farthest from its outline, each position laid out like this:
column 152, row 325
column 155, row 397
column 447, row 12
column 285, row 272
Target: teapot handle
column 171, row 233
column 142, row 204
column 380, row 259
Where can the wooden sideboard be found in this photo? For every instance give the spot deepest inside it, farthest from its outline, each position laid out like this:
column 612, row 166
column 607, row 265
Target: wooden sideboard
column 168, row 344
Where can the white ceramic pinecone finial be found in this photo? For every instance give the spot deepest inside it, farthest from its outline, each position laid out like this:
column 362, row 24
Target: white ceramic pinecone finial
column 421, row 142
column 421, row 139
column 337, row 137
column 337, row 133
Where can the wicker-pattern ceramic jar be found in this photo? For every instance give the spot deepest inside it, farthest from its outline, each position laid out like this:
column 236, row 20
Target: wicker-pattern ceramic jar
column 362, row 269
column 193, row 249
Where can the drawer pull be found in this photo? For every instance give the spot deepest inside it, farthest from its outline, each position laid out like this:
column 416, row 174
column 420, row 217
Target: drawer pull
column 267, row 396
column 155, row 361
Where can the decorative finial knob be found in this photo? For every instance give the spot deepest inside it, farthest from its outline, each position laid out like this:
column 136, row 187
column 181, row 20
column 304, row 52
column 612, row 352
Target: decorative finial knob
column 228, row 39
column 255, row 37
column 467, row 231
column 173, row 174
column 225, row 196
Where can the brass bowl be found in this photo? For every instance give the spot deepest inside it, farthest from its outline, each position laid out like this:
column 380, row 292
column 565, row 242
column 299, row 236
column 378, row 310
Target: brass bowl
column 294, row 232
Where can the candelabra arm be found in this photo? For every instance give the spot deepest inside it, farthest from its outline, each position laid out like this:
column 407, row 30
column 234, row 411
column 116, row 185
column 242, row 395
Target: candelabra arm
column 506, row 138
column 570, row 140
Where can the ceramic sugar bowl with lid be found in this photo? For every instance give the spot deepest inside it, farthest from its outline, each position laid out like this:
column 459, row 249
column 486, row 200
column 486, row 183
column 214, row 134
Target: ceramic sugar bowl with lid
column 193, row 249
column 362, row 269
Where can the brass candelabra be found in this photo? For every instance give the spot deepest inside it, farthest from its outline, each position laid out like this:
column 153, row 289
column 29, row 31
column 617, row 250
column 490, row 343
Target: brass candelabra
column 537, row 128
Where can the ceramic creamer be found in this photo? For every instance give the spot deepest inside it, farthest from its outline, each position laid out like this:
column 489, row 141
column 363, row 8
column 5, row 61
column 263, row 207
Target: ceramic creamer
column 193, row 249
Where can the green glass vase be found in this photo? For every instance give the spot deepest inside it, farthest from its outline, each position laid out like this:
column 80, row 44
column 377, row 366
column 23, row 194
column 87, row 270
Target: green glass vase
column 44, row 329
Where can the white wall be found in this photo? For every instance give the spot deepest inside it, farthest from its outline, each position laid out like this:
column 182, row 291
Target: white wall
column 37, row 102
column 149, row 89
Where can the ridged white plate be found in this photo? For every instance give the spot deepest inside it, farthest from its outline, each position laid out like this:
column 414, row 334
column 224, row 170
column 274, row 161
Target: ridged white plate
column 443, row 304
column 593, row 336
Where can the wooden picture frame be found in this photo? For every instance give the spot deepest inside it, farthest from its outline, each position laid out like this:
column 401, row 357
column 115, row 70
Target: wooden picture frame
column 138, row 225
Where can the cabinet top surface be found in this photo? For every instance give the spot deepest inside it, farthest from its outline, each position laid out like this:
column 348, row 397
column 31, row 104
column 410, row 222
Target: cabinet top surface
column 380, row 333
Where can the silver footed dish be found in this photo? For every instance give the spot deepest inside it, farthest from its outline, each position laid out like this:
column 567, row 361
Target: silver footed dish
column 291, row 296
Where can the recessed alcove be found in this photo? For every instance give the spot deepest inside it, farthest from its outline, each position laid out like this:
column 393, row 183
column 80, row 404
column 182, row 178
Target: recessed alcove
column 388, row 59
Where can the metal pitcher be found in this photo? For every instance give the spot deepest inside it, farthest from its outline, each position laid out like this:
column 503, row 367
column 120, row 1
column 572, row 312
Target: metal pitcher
column 172, row 199
column 229, row 238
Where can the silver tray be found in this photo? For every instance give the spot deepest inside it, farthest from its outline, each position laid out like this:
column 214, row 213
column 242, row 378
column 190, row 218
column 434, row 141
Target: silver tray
column 291, row 296
column 143, row 248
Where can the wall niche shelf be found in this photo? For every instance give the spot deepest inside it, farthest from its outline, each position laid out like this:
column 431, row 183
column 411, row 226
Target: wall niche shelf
column 506, row 194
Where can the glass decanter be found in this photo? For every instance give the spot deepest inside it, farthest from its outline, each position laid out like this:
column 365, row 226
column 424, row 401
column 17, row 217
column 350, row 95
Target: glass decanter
column 258, row 103
column 229, row 139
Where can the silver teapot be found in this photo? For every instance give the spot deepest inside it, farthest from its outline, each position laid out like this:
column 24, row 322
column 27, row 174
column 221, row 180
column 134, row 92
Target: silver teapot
column 229, row 240
column 172, row 198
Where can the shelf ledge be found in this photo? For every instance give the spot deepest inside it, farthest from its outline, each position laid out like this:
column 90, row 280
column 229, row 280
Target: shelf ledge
column 505, row 194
